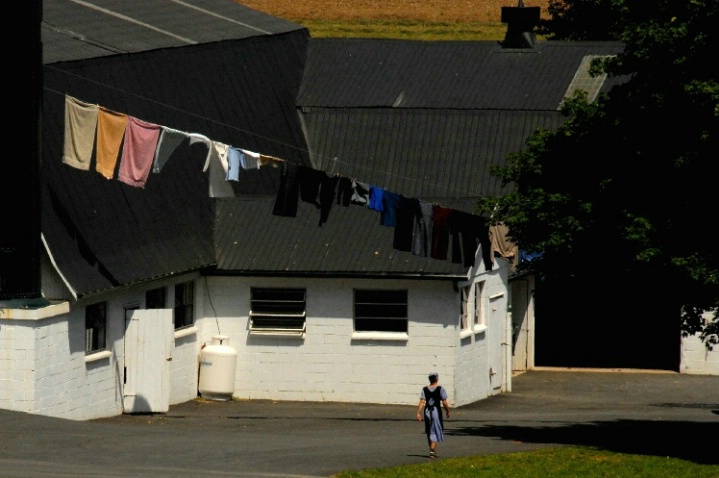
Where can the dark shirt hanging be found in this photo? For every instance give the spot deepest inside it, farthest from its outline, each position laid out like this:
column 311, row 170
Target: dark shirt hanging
column 328, row 187
column 310, row 180
column 344, row 191
column 407, row 212
column 388, row 216
column 440, row 232
column 286, row 201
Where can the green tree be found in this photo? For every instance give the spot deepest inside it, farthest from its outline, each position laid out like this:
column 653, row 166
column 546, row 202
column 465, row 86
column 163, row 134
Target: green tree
column 580, row 20
column 628, row 183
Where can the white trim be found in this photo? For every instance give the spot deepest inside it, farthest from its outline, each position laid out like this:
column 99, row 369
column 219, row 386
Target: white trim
column 278, row 330
column 53, row 310
column 387, row 336
column 479, row 328
column 95, row 356
column 57, row 269
column 287, row 333
column 186, row 331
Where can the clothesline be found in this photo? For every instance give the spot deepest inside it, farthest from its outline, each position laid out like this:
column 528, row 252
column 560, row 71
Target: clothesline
column 334, row 160
column 425, row 229
column 420, row 227
column 88, row 125
column 138, row 145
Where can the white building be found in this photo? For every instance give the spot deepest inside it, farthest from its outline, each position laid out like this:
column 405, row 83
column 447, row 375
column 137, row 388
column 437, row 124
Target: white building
column 321, row 302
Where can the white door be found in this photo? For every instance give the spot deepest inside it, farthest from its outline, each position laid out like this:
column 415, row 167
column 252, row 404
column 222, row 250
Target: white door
column 519, row 325
column 496, row 342
column 149, row 342
column 523, row 324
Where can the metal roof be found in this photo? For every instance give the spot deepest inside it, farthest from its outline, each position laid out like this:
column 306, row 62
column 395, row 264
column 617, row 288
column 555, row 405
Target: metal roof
column 250, row 240
column 431, row 119
column 464, row 75
column 104, row 234
column 83, row 29
column 438, row 153
column 423, row 119
column 239, row 91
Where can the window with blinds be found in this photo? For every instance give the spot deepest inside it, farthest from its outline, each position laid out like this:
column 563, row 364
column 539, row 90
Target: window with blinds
column 380, row 310
column 277, row 311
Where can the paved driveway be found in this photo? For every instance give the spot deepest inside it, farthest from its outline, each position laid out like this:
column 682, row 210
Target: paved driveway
column 665, row 414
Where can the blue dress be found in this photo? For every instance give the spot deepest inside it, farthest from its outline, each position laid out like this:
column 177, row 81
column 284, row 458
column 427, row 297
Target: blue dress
column 433, row 424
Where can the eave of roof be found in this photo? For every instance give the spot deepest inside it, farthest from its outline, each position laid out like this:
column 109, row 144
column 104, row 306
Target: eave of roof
column 249, row 239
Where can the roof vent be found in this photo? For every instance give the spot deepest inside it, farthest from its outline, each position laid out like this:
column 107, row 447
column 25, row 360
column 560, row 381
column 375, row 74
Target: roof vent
column 520, row 22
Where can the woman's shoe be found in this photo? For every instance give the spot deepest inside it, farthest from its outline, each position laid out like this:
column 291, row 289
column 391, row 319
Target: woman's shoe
column 432, row 454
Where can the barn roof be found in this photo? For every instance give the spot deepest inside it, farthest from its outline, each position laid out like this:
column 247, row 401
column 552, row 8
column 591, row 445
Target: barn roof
column 250, row 240
column 79, row 30
column 426, row 120
column 235, row 84
column 461, row 75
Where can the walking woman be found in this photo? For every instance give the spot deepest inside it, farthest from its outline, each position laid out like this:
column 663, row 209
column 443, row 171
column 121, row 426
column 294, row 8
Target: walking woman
column 431, row 397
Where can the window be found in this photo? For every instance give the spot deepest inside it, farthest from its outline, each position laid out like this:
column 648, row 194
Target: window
column 584, row 81
column 184, row 309
column 95, row 327
column 277, row 311
column 380, row 310
column 464, row 321
column 155, row 298
column 479, row 319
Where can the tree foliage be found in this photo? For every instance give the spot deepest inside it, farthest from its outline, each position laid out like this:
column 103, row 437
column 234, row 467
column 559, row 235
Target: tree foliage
column 580, row 20
column 629, row 182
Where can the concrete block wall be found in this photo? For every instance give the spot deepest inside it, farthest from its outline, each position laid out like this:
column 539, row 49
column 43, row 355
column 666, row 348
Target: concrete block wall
column 43, row 369
column 56, row 372
column 328, row 364
column 17, row 365
column 478, row 352
column 67, row 384
column 472, row 381
column 696, row 358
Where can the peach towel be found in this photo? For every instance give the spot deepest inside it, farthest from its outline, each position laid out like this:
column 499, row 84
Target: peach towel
column 110, row 131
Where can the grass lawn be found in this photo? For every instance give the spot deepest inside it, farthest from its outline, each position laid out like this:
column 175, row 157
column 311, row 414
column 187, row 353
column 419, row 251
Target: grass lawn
column 561, row 462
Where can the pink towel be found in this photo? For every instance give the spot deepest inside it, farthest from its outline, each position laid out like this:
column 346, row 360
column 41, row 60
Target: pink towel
column 138, row 151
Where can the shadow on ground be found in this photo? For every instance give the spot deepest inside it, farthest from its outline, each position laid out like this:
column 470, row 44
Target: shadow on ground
column 691, row 441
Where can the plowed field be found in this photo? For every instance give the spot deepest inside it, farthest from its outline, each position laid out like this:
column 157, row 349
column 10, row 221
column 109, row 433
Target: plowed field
column 460, row 11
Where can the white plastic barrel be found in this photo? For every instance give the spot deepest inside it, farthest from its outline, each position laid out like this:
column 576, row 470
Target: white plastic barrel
column 218, row 362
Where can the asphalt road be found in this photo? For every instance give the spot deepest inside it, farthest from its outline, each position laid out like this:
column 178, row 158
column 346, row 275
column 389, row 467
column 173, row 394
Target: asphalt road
column 656, row 413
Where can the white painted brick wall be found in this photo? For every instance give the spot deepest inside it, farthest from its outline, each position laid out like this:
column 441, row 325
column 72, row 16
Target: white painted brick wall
column 696, row 359
column 17, row 365
column 183, row 370
column 327, row 365
column 43, row 368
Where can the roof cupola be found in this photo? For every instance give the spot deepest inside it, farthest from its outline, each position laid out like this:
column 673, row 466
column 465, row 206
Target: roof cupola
column 520, row 22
